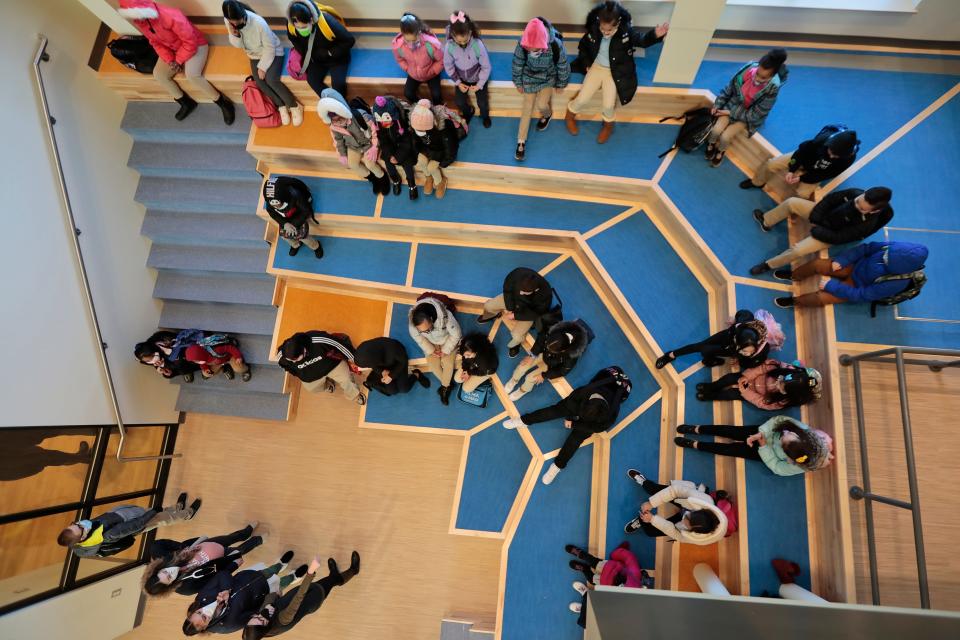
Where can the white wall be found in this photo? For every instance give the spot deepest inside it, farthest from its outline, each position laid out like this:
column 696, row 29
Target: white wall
column 51, row 367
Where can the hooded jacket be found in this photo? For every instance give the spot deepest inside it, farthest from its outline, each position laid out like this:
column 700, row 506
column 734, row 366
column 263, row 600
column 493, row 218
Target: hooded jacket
column 469, row 64
column 113, row 531
column 874, row 260
column 353, row 135
column 731, row 98
column 815, row 164
column 382, row 354
column 257, row 40
column 247, row 592
column 533, row 72
column 560, row 364
column 191, row 581
column 396, row 141
column 439, row 144
column 755, row 385
column 331, row 40
column 623, row 564
column 779, row 462
column 168, row 31
column 837, row 220
column 623, row 43
column 445, row 332
column 288, row 201
column 529, row 307
column 688, row 496
column 421, row 63
column 602, row 384
column 485, row 360
column 325, row 352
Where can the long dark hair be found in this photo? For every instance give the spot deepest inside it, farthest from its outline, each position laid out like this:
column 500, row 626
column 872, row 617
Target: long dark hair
column 804, row 445
column 463, row 28
column 794, row 395
column 235, row 10
column 412, row 25
column 151, row 583
column 609, row 12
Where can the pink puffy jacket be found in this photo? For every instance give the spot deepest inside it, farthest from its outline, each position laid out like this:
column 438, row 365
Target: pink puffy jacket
column 755, row 385
column 171, row 35
column 424, row 62
column 622, row 562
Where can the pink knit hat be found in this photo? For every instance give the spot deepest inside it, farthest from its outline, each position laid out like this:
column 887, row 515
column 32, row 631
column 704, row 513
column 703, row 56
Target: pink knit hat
column 421, row 117
column 535, row 35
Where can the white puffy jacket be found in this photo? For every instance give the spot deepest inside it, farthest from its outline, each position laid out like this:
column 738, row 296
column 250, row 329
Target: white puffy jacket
column 444, row 334
column 690, row 497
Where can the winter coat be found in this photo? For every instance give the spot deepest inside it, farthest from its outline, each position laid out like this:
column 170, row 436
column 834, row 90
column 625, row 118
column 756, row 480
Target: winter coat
column 439, row 144
column 837, row 220
column 731, row 98
column 113, row 531
column 777, row 461
column 755, row 385
column 397, row 140
column 570, row 405
column 324, row 353
column 623, row 67
column 257, row 40
column 728, row 336
column 445, row 332
column 688, row 496
column 382, row 354
column 469, row 64
column 623, row 564
column 531, row 73
column 247, row 591
column 354, row 135
column 815, row 164
column 484, row 363
column 421, row 63
column 326, row 50
column 288, row 201
column 191, row 581
column 529, row 307
column 170, row 33
column 560, row 364
column 874, row 260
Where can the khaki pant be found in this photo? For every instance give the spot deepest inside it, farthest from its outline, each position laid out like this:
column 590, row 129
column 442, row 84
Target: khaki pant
column 597, row 78
column 357, row 163
column 542, row 101
column 341, row 375
column 442, row 366
column 520, row 329
column 798, row 207
column 471, row 383
column 310, row 241
column 429, row 168
column 780, row 165
column 536, row 367
column 193, row 70
column 724, row 131
column 168, row 516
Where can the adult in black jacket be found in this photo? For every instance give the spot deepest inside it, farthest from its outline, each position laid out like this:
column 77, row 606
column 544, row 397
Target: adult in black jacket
column 606, row 58
column 396, row 143
column 321, row 360
column 555, row 353
column 526, row 296
column 185, row 567
column 840, row 217
column 592, row 408
column 822, row 158
column 323, row 43
column 289, row 203
column 436, row 142
column 227, row 601
column 476, row 361
column 156, row 351
column 387, row 358
column 746, row 340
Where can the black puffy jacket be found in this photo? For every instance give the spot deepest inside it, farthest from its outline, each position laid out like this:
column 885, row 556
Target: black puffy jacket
column 440, row 145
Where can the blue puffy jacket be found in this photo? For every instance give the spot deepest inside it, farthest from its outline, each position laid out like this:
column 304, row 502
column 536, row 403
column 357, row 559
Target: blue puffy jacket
column 872, row 260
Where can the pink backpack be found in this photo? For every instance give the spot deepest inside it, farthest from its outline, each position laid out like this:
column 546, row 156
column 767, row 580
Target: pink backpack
column 726, row 505
column 261, row 110
column 295, row 65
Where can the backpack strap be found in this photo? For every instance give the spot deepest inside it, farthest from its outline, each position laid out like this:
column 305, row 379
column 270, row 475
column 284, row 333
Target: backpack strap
column 476, row 47
column 429, row 49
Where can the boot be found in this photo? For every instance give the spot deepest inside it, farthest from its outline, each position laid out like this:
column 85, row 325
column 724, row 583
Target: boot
column 396, row 188
column 414, row 193
column 374, row 183
column 571, row 121
column 318, row 252
column 354, row 569
column 187, row 105
column 442, row 188
column 605, row 132
column 226, row 107
column 428, row 185
column 383, row 185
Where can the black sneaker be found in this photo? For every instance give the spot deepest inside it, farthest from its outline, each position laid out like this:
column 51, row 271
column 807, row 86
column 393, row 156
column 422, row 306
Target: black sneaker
column 521, row 151
column 301, row 571
column 444, row 393
column 633, row 526
column 182, row 500
column 783, row 274
column 194, row 507
column 686, row 443
column 482, row 320
column 708, row 152
column 487, row 122
column 748, row 184
column 294, row 251
column 188, row 377
column 422, row 379
column 513, row 352
column 246, row 375
column 286, row 557
column 228, row 373
column 543, row 122
column 396, row 188
column 758, row 216
column 361, row 400
column 318, row 252
column 757, row 269
column 687, row 428
column 636, row 476
column 785, row 302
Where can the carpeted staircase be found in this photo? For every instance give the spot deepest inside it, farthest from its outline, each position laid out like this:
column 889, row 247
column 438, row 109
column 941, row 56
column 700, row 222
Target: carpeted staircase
column 200, row 188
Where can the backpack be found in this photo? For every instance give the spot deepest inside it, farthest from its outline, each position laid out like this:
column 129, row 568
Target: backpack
column 191, row 337
column 725, row 503
column 321, row 8
column 828, row 130
column 694, row 130
column 478, row 397
column 473, row 45
column 261, row 110
column 583, row 325
column 134, row 52
column 617, row 375
column 360, row 108
column 554, row 42
column 917, row 279
column 444, row 300
column 442, row 112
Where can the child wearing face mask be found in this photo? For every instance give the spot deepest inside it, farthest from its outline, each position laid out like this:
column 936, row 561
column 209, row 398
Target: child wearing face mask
column 467, row 62
column 748, row 340
column 420, row 55
column 436, row 141
column 355, row 135
column 771, row 386
column 322, row 44
column 397, row 150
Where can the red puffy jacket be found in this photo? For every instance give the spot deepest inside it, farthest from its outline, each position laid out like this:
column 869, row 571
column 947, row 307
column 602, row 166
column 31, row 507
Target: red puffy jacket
column 170, row 34
column 622, row 563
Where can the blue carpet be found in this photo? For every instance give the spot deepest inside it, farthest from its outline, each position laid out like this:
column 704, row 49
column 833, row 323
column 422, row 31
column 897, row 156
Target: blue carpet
column 631, row 152
column 665, row 294
column 697, row 466
column 938, row 300
column 373, row 260
column 538, row 585
column 471, row 270
column 636, row 447
column 478, row 207
column 344, row 197
column 496, row 465
column 854, row 324
column 721, row 212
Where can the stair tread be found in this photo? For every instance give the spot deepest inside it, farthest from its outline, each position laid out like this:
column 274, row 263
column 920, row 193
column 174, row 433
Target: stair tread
column 264, row 379
column 218, row 317
column 228, row 259
column 234, row 195
column 241, row 404
column 256, row 348
column 154, row 120
column 175, row 158
column 197, row 227
column 213, row 288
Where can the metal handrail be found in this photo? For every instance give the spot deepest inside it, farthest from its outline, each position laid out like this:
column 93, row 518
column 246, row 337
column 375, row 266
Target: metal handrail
column 864, row 492
column 74, row 232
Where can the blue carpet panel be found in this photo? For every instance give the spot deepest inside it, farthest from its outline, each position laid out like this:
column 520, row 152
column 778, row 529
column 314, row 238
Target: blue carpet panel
column 939, row 299
column 496, row 465
column 374, row 260
column 636, row 447
column 343, row 197
column 471, row 270
column 697, row 466
column 854, row 324
column 536, row 599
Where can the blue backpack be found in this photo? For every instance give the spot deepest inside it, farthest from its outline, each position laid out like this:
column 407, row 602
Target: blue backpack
column 190, row 337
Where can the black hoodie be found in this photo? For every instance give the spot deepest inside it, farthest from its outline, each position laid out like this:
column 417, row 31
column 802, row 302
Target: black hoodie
column 529, row 307
column 485, row 362
column 560, row 364
column 288, row 201
column 324, row 352
column 382, row 354
column 837, row 220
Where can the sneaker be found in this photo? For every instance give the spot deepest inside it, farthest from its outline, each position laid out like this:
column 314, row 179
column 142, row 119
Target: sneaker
column 551, row 473
column 482, row 320
column 286, row 558
column 293, row 251
column 664, row 360
column 397, row 188
column 188, row 377
column 516, row 395
column 709, row 151
column 296, row 115
column 636, row 476
column 182, row 501
column 194, row 507
column 318, row 252
column 786, row 302
column 574, row 550
column 444, row 392
column 748, row 184
column 301, row 571
column 784, row 274
column 246, row 376
column 543, row 123
column 513, row 423
column 228, row 373
column 758, row 216
column 521, row 151
column 576, row 607
column 329, row 386
column 513, row 352
column 487, row 122
column 633, row 526
column 361, row 400
column 284, row 115
column 758, row 269
column 717, row 159
column 422, row 379
column 685, row 443
column 687, row 428
column 580, row 588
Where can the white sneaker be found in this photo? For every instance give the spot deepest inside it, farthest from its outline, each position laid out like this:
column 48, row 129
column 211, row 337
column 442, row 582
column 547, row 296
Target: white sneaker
column 513, row 423
column 284, row 115
column 296, row 115
column 580, row 588
column 551, row 474
column 576, row 607
column 516, row 395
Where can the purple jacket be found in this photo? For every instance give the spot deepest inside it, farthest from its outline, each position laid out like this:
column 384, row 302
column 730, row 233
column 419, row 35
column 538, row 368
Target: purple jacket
column 469, row 64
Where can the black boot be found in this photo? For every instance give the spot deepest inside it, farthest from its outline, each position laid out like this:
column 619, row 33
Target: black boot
column 294, row 250
column 421, row 378
column 354, row 569
column 226, row 107
column 374, row 184
column 318, row 252
column 383, row 185
column 414, row 193
column 396, row 188
column 187, row 105
column 444, row 393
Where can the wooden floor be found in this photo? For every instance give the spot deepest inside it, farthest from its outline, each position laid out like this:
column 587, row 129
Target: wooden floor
column 324, row 485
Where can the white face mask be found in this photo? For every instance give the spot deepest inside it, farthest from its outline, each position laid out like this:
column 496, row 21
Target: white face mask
column 170, row 573
column 210, row 609
column 420, row 133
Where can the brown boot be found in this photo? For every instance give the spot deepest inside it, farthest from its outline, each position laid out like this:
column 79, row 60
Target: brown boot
column 571, row 121
column 428, row 185
column 442, row 187
column 605, row 132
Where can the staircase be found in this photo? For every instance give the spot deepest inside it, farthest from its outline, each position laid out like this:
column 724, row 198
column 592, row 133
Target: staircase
column 200, row 188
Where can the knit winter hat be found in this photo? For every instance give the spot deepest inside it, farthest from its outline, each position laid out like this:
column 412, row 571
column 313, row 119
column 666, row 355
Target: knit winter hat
column 843, row 143
column 421, row 117
column 535, row 35
column 384, row 106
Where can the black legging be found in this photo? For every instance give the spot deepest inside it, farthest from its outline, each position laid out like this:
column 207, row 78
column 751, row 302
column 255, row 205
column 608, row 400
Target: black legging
column 712, row 350
column 574, row 439
column 408, row 170
column 162, row 547
column 725, row 388
column 651, row 488
column 411, row 90
column 738, row 449
column 316, row 72
column 317, row 592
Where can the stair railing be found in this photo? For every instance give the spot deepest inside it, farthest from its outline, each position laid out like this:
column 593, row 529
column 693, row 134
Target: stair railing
column 74, row 233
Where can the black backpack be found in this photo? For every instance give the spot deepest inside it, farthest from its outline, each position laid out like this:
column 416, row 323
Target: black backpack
column 614, row 374
column 359, row 107
column 917, row 279
column 134, row 52
column 694, row 130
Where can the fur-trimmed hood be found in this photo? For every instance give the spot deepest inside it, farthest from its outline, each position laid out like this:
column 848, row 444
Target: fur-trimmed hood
column 332, row 101
column 575, row 333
